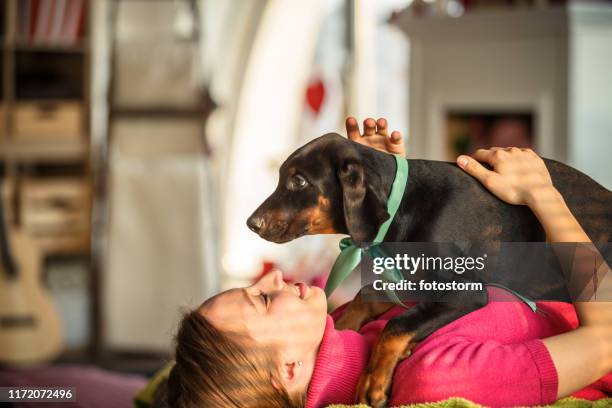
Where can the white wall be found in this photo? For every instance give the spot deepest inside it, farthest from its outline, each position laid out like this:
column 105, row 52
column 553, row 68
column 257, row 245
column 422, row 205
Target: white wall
column 503, row 61
column 555, row 61
column 591, row 95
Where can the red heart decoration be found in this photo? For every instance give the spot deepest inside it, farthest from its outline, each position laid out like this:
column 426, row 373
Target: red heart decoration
column 315, row 94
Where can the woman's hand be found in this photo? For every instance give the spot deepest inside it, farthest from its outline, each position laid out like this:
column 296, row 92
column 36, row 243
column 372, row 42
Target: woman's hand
column 518, row 176
column 376, row 135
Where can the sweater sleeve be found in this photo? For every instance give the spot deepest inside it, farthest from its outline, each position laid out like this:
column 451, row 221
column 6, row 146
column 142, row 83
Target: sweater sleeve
column 486, row 372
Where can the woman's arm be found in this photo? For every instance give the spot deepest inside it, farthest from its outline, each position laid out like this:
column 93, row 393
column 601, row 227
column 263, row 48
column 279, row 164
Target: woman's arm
column 520, row 177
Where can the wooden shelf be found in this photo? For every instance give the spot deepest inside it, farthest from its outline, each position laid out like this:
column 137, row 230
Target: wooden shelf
column 27, row 47
column 62, row 244
column 50, row 152
column 160, row 112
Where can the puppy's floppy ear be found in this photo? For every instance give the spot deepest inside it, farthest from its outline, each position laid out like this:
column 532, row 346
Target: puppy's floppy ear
column 365, row 204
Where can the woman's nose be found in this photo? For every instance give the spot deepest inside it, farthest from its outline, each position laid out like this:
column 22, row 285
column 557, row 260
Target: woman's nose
column 277, row 278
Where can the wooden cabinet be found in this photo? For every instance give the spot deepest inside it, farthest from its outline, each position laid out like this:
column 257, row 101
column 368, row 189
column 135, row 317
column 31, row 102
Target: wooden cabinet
column 48, row 121
column 56, row 213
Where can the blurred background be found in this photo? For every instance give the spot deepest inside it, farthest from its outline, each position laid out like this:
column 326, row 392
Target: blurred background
column 137, row 136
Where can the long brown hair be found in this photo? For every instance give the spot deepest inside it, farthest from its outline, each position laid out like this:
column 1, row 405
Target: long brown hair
column 219, row 369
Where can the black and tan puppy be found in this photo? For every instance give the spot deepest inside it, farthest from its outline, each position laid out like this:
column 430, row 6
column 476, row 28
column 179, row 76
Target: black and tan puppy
column 334, row 185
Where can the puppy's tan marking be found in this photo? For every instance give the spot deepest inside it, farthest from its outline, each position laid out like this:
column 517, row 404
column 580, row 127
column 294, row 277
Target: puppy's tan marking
column 317, row 218
column 359, row 312
column 375, row 383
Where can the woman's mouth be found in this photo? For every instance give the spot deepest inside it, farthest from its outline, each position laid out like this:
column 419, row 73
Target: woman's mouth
column 303, row 288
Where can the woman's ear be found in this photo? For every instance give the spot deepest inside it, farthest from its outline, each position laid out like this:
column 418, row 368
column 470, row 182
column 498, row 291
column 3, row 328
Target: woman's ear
column 364, row 204
column 290, row 375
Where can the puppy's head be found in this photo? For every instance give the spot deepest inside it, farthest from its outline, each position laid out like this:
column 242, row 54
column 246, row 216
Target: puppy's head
column 324, row 187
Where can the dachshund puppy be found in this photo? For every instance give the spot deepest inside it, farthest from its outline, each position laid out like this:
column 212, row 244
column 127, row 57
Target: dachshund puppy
column 335, row 185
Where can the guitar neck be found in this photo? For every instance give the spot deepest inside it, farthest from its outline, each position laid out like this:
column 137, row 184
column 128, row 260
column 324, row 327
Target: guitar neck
column 7, row 263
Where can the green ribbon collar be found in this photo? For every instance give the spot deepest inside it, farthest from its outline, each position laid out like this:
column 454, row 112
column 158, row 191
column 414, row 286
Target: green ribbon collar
column 350, row 254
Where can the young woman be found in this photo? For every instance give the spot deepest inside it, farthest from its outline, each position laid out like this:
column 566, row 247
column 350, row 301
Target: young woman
column 273, row 345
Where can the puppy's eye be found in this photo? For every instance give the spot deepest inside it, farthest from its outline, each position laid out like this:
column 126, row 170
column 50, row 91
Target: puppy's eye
column 298, row 182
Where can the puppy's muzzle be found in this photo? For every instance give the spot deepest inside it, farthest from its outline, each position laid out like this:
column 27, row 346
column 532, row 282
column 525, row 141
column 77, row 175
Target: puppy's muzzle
column 268, row 227
column 255, row 223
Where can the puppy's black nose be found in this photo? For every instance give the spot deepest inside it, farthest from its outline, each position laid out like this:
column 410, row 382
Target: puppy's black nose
column 255, row 224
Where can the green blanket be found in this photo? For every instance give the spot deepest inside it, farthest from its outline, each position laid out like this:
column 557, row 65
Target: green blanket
column 569, row 402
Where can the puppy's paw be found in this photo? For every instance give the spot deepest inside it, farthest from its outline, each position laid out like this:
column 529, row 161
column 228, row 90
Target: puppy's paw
column 373, row 390
column 375, row 384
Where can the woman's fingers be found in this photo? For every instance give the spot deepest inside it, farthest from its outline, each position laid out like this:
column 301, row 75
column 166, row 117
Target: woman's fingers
column 381, row 127
column 475, row 169
column 395, row 138
column 394, row 144
column 516, row 176
column 352, row 128
column 376, row 135
column 369, row 127
column 486, row 155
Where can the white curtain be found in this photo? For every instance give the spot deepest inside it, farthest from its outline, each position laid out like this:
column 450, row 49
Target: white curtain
column 161, row 252
column 161, row 240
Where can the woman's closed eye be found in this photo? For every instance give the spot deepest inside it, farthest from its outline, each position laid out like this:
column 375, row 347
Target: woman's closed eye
column 265, row 299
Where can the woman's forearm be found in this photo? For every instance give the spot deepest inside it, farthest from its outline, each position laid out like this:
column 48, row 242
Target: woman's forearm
column 580, row 356
column 558, row 222
column 585, row 354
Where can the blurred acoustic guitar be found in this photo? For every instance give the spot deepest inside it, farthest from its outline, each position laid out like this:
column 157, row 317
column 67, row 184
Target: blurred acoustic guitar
column 30, row 327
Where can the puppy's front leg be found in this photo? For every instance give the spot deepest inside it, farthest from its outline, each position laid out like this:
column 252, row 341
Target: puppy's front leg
column 359, row 312
column 398, row 339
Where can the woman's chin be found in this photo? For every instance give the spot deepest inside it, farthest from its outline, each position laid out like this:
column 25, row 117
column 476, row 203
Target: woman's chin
column 318, row 296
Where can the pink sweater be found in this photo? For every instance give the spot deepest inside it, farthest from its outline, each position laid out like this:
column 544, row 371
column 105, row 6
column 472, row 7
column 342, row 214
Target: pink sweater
column 493, row 356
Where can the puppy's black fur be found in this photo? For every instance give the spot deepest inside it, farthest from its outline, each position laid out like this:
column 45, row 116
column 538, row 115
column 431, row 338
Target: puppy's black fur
column 348, row 184
column 334, row 185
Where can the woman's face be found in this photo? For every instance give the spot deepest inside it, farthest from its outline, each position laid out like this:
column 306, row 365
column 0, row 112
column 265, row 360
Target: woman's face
column 291, row 317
